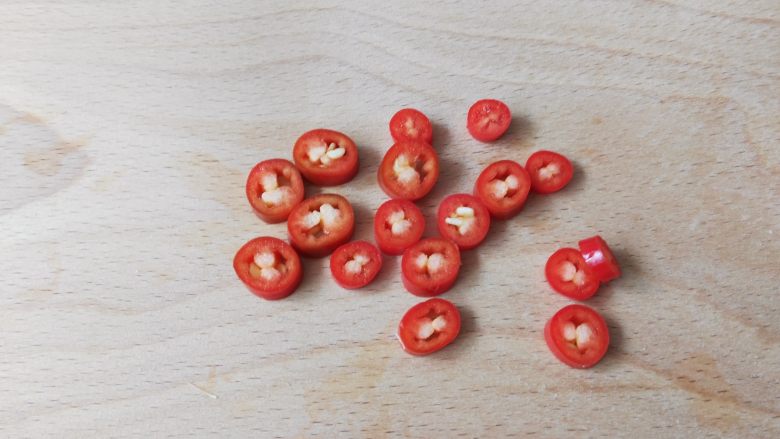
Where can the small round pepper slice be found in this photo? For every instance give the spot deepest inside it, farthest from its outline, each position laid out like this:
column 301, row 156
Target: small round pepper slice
column 577, row 336
column 599, row 258
column 429, row 326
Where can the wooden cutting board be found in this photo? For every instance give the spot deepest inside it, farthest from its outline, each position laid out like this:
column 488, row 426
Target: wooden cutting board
column 127, row 131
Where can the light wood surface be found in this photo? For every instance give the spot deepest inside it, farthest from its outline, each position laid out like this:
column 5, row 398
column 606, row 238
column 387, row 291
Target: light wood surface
column 127, row 130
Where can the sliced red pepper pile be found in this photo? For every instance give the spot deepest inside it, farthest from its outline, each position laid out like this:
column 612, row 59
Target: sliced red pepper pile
column 324, row 224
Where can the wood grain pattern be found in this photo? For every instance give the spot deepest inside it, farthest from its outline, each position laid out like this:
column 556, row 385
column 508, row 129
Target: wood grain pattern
column 126, row 132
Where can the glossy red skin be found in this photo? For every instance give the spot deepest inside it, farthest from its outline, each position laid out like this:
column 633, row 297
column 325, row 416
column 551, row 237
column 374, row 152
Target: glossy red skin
column 338, row 171
column 566, row 352
column 510, row 205
column 425, row 284
column 600, row 258
column 344, row 254
column 483, row 129
column 478, row 231
column 540, row 159
column 317, row 246
column 430, row 309
column 279, row 288
column 400, row 132
column 289, row 177
column 567, row 288
column 396, row 244
column 394, row 188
